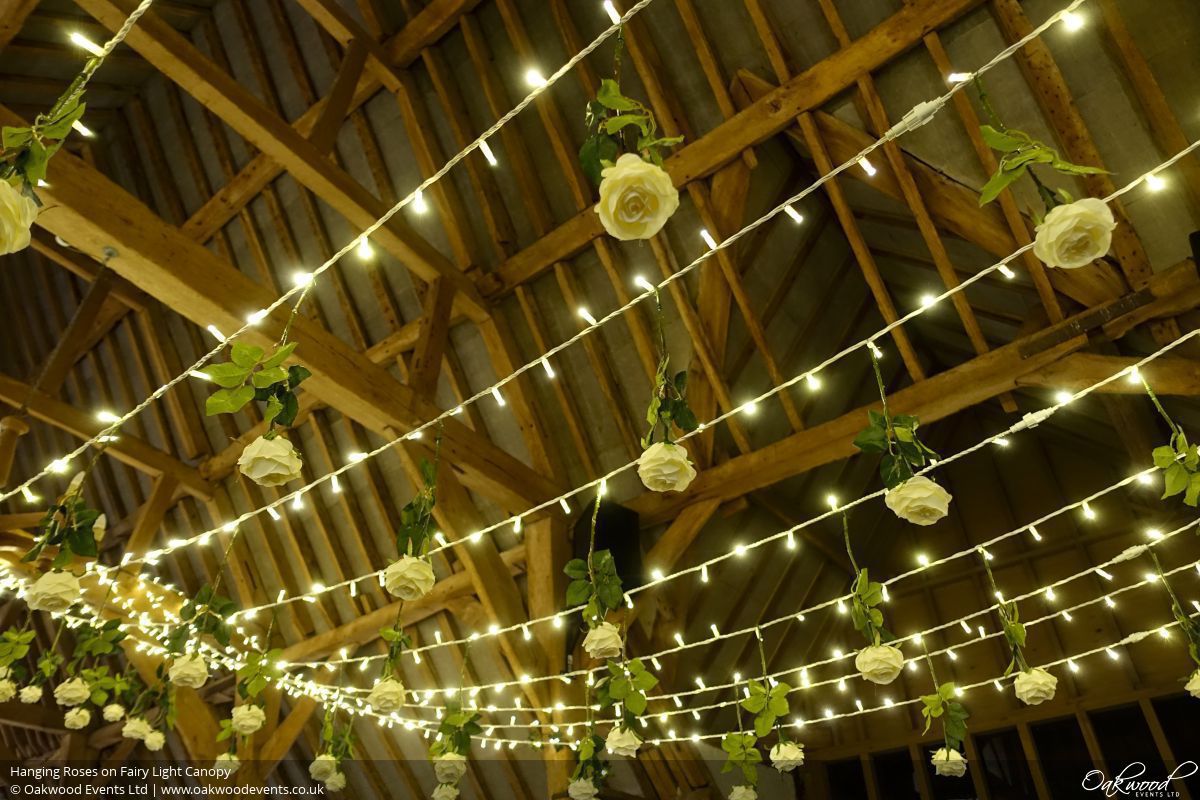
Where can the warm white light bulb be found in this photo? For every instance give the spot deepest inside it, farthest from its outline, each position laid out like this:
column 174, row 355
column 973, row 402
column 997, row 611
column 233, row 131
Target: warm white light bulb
column 796, row 216
column 1072, row 21
column 612, row 12
column 488, row 154
column 418, row 202
column 79, row 40
column 534, row 78
column 1155, row 182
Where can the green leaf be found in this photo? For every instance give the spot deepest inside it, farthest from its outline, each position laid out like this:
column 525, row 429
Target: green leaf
column 610, row 97
column 576, row 568
column 1175, row 480
column 269, row 377
column 60, row 128
column 297, row 375
column 578, row 593
column 997, row 184
column 280, row 355
column 245, row 355
column 1004, row 142
column 1193, row 491
column 15, row 138
column 291, row 407
column 636, row 702
column 1163, row 456
column 227, row 375
column 612, row 125
column 597, row 149
column 872, row 440
column 228, row 401
column 272, row 410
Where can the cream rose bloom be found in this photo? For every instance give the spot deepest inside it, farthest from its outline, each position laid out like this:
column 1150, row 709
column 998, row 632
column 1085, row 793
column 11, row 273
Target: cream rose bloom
column 189, row 670
column 77, row 719
column 449, row 767
column 603, row 641
column 31, row 694
column 582, row 789
column 136, row 728
column 743, row 793
column 99, row 528
column 270, row 462
column 445, row 791
column 621, row 742
column 227, row 764
column 8, row 690
column 336, row 782
column 154, row 741
column 879, row 663
column 409, row 578
column 1035, row 686
column 387, row 696
column 786, row 756
column 1075, row 235
column 665, row 467
column 54, row 592
column 72, row 692
column 247, row 719
column 17, row 213
column 1193, row 684
column 918, row 500
column 636, row 198
column 114, row 712
column 323, row 767
column 949, row 763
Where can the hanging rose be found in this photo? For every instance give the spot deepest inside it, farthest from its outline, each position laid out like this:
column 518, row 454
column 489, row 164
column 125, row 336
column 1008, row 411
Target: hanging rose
column 743, row 793
column 190, row 671
column 918, row 500
column 409, row 578
column 77, row 719
column 665, row 467
column 72, row 692
column 31, row 694
column 17, row 213
column 1193, row 684
column 136, row 728
column 114, row 712
column 154, row 741
column 950, row 763
column 336, row 781
column 8, row 690
column 636, row 198
column 387, row 696
column 786, row 756
column 1035, row 686
column 322, row 767
column 622, row 742
column 99, row 528
column 270, row 461
column 1076, row 234
column 582, row 789
column 445, row 791
column 227, row 764
column 247, row 718
column 603, row 641
column 54, row 592
column 449, row 767
column 879, row 663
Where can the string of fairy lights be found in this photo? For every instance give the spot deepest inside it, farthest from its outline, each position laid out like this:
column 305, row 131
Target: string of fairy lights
column 917, row 116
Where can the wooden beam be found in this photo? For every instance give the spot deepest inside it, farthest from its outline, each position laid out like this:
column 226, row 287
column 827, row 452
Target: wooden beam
column 434, row 335
column 13, row 14
column 1167, row 375
column 91, row 212
column 763, row 119
column 150, row 515
column 337, row 102
column 127, row 449
column 221, row 93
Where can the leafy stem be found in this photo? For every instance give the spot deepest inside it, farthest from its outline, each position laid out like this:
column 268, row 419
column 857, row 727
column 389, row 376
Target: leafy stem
column 894, row 437
column 1189, row 625
column 1010, row 620
column 943, row 705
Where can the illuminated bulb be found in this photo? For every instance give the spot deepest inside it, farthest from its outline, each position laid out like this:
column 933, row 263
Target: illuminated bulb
column 831, row 501
column 704, row 574
column 488, row 154
column 1108, row 651
column 1006, row 272
column 364, row 251
column 1063, row 397
column 317, row 588
column 1108, row 601
column 274, row 514
column 1037, row 537
column 587, row 316
column 1088, row 511
column 107, row 417
column 796, row 216
column 922, row 559
column 29, row 496
column 256, row 317
column 356, row 456
column 550, row 373
column 841, row 607
column 657, row 574
column 679, row 638
column 1154, row 533
column 1151, row 577
column 418, row 202
column 962, row 623
column 828, row 713
column 958, row 77
column 302, row 278
column 1072, row 21
column 498, row 397
column 534, row 78
column 198, row 375
column 298, row 502
column 700, row 682
column 79, row 40
column 1067, row 616
column 841, row 685
column 564, row 505
column 335, row 485
column 1072, row 665
column 708, row 239
column 952, row 654
column 1050, row 595
column 717, row 635
column 868, row 167
column 220, row 337
column 59, row 465
column 837, row 652
column 739, row 550
column 927, row 300
column 476, row 536
column 982, row 632
column 1001, row 441
column 791, row 541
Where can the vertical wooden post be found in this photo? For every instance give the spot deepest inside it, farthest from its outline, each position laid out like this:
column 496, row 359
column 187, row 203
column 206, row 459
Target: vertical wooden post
column 11, row 429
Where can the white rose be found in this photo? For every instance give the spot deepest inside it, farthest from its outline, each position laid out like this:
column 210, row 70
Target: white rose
column 77, row 719
column 31, row 694
column 154, row 741
column 409, row 578
column 879, row 663
column 72, row 692
column 8, row 690
column 323, row 767
column 665, row 467
column 582, row 789
column 227, row 764
column 114, row 712
column 918, row 500
column 387, row 696
column 743, row 793
column 136, row 728
column 786, row 756
column 17, row 213
column 247, row 719
column 189, row 670
column 636, row 198
column 1035, row 686
column 99, row 527
column 449, row 767
column 445, row 791
column 1193, row 684
column 949, row 763
column 603, row 641
column 336, row 782
column 1075, row 235
column 54, row 592
column 622, row 742
column 5, row 673
column 270, row 462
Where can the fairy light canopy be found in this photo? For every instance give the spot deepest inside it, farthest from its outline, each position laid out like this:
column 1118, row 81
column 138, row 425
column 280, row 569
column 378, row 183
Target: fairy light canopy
column 877, row 317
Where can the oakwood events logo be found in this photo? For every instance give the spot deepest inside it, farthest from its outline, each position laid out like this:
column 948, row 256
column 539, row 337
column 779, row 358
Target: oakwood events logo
column 1130, row 783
